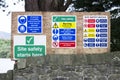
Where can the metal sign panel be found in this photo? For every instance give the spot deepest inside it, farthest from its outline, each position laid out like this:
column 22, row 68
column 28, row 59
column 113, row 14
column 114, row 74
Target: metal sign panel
column 29, row 46
column 63, row 31
column 29, row 24
column 66, row 33
column 95, row 31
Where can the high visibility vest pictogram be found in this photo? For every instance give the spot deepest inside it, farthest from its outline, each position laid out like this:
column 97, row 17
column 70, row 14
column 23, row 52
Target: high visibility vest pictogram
column 55, row 25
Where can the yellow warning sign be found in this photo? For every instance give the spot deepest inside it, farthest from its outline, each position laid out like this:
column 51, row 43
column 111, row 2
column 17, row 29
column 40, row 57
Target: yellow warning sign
column 67, row 24
column 91, row 35
column 85, row 30
column 55, row 25
column 91, row 30
column 85, row 35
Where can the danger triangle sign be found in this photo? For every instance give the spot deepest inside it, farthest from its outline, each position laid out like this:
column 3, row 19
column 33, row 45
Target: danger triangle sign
column 55, row 25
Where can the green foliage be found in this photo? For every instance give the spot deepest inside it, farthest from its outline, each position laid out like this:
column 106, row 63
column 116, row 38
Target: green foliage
column 5, row 48
column 115, row 34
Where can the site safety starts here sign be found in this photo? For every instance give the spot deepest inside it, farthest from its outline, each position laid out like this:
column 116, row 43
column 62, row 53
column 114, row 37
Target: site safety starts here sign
column 29, row 46
column 95, row 31
column 63, row 31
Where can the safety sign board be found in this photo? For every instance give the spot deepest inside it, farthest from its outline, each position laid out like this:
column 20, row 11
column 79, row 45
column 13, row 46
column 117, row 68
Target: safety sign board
column 29, row 24
column 29, row 46
column 95, row 31
column 63, row 31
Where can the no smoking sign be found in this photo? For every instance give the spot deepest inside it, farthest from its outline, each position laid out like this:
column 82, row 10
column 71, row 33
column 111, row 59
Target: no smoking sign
column 55, row 44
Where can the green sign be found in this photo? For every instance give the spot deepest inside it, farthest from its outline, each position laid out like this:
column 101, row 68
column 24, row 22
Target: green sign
column 29, row 46
column 28, row 51
column 64, row 18
column 29, row 39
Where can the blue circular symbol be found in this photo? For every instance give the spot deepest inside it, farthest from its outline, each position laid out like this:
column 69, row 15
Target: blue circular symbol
column 97, row 35
column 97, row 25
column 55, row 37
column 97, row 40
column 85, row 40
column 22, row 20
column 97, row 20
column 22, row 28
column 97, row 30
column 55, row 31
column 97, row 45
column 85, row 44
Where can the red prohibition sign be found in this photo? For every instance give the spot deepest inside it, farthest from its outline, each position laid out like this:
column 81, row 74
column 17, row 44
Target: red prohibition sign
column 55, row 44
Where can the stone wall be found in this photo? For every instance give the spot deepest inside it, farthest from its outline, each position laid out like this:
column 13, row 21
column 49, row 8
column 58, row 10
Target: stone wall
column 7, row 76
column 67, row 67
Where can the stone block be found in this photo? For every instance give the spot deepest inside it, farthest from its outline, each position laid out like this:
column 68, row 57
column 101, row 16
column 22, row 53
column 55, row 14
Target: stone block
column 21, row 63
column 9, row 75
column 35, row 61
column 79, row 59
column 101, row 78
column 19, row 78
column 114, row 77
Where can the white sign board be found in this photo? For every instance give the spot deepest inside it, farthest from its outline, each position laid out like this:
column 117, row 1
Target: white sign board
column 29, row 45
column 95, row 31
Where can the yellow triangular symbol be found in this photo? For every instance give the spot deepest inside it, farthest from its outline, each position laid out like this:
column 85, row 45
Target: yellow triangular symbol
column 85, row 35
column 85, row 30
column 55, row 25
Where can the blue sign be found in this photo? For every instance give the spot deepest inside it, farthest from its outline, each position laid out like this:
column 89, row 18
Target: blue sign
column 55, row 37
column 103, row 30
column 22, row 28
column 103, row 25
column 30, row 24
column 91, row 39
column 34, row 24
column 22, row 19
column 67, row 31
column 67, row 37
column 55, row 31
column 103, row 40
column 103, row 35
column 103, row 44
column 101, row 20
column 91, row 44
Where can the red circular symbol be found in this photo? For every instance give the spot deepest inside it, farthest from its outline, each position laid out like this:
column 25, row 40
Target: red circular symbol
column 55, row 44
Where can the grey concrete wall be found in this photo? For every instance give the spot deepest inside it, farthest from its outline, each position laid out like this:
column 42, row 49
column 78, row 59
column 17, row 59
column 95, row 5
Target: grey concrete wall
column 70, row 67
column 67, row 67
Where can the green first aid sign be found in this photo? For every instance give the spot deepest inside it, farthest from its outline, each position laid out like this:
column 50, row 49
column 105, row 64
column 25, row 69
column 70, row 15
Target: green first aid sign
column 29, row 46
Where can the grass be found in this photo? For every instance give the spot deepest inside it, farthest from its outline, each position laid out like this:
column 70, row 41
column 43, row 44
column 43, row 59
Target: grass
column 5, row 48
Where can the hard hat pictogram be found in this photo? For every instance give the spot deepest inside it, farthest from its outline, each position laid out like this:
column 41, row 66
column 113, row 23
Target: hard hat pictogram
column 22, row 19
